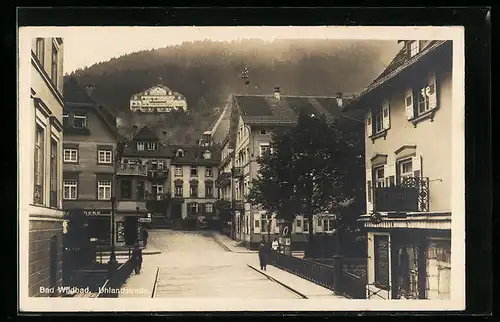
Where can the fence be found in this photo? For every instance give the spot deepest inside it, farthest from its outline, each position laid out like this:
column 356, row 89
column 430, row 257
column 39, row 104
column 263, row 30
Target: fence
column 345, row 276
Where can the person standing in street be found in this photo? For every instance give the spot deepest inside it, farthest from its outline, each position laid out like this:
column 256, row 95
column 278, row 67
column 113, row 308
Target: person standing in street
column 137, row 258
column 263, row 249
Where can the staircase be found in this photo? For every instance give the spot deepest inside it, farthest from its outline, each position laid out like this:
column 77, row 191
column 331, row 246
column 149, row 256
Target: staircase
column 159, row 222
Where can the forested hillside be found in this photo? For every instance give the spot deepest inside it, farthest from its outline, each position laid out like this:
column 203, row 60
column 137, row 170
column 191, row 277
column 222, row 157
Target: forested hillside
column 207, row 72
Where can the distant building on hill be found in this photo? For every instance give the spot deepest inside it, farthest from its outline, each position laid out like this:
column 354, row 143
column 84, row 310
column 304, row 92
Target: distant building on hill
column 158, row 99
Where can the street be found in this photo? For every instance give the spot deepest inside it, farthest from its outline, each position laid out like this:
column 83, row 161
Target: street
column 193, row 265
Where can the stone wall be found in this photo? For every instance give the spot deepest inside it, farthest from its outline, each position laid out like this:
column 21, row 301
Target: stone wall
column 40, row 234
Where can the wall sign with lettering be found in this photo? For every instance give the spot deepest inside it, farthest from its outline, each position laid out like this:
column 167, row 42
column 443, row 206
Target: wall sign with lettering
column 96, row 212
column 381, row 259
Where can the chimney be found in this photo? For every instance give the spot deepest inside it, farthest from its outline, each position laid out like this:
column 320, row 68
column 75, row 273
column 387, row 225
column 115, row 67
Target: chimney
column 339, row 99
column 277, row 93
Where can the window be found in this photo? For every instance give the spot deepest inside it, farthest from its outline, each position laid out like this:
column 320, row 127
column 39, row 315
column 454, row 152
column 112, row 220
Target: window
column 328, row 225
column 80, row 120
column 65, row 120
column 151, row 146
column 178, row 171
column 178, row 191
column 378, row 120
column 414, row 48
column 209, row 191
column 104, row 190
column 194, row 171
column 157, row 190
column 264, row 149
column 320, row 222
column 209, row 208
column 379, row 176
column 70, row 189
column 140, row 190
column 207, row 155
column 193, row 190
column 160, row 165
column 193, row 207
column 179, row 153
column 299, row 223
column 126, row 189
column 263, row 132
column 40, row 50
column 104, row 156
column 424, row 98
column 306, row 225
column 381, row 259
column 70, row 155
column 208, row 172
column 140, row 146
column 53, row 174
column 54, row 68
column 39, row 164
column 257, row 224
column 405, row 170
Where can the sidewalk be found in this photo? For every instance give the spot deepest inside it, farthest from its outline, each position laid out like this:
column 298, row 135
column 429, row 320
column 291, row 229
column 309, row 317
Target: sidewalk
column 299, row 285
column 231, row 245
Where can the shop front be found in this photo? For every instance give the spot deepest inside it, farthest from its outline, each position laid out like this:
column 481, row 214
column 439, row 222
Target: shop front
column 99, row 226
column 409, row 263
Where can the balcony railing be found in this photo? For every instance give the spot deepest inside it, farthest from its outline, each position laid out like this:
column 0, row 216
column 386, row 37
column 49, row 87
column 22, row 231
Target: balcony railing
column 237, row 172
column 411, row 195
column 223, row 180
column 132, row 169
column 38, row 195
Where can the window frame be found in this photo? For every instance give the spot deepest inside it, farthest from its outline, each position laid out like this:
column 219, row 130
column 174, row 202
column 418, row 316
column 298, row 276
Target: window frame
column 70, row 160
column 209, row 172
column 377, row 112
column 195, row 168
column 194, row 205
column 140, row 146
column 414, row 48
column 100, row 152
column 193, row 190
column 105, row 187
column 80, row 116
column 70, row 184
column 40, row 50
column 65, row 118
column 211, row 206
column 151, row 146
column 54, row 170
column 54, row 68
column 178, row 188
column 129, row 182
column 39, row 165
column 263, row 147
column 209, row 195
column 177, row 172
column 403, row 175
column 379, row 181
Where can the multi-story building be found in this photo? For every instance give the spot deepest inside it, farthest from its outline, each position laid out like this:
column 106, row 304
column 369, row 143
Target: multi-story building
column 245, row 131
column 90, row 138
column 408, row 174
column 158, row 99
column 142, row 180
column 40, row 165
column 194, row 171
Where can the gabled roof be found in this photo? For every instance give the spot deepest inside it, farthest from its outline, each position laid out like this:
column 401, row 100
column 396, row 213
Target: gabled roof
column 145, row 133
column 77, row 97
column 400, row 62
column 167, row 89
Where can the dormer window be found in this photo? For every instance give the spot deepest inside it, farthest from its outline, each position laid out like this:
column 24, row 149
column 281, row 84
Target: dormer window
column 414, row 48
column 151, row 146
column 140, row 146
column 65, row 120
column 179, row 153
column 80, row 120
column 207, row 154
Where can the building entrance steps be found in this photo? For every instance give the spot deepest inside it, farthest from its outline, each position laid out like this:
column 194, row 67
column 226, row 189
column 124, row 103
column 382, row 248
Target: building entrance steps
column 299, row 285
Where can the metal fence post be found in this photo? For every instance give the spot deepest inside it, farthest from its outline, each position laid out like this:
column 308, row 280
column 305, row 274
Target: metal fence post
column 337, row 269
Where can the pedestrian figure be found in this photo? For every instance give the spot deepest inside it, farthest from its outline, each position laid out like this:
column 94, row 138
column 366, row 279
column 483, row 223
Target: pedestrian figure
column 137, row 258
column 145, row 236
column 263, row 250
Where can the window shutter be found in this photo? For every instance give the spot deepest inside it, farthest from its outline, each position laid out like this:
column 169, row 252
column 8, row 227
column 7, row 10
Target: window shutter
column 431, row 91
column 369, row 190
column 369, row 124
column 386, row 114
column 417, row 166
column 409, row 104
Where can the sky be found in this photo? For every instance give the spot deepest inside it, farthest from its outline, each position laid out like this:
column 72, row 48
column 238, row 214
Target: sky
column 85, row 46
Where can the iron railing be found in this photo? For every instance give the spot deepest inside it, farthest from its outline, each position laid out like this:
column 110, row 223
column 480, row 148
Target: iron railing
column 132, row 169
column 410, row 195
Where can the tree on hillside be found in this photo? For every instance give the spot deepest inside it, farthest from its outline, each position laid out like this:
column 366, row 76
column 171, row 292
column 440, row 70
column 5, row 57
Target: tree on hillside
column 315, row 167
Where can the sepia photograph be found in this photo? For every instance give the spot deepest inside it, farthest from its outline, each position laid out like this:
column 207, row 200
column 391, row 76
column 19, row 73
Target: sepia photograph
column 266, row 168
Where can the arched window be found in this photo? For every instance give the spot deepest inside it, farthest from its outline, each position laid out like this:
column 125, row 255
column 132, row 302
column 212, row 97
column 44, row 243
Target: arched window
column 180, row 153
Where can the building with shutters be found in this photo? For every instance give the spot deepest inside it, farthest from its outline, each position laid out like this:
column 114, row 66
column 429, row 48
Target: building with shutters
column 158, row 99
column 40, row 165
column 89, row 148
column 408, row 173
column 244, row 131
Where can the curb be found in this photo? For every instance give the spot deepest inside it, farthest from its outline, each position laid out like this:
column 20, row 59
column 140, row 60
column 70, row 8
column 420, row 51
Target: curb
column 216, row 239
column 280, row 283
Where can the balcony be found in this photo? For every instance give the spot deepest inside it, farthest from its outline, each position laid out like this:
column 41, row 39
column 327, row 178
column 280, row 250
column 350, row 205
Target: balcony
column 238, row 205
column 237, row 172
column 158, row 174
column 132, row 169
column 223, row 180
column 411, row 195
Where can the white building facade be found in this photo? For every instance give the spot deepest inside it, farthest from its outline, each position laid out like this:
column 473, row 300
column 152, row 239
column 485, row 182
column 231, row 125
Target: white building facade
column 158, row 99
